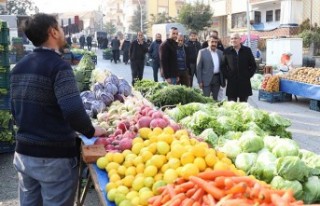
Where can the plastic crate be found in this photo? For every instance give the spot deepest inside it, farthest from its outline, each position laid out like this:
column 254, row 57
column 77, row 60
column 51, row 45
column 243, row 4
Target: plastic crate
column 4, row 78
column 6, row 147
column 4, row 36
column 94, row 59
column 314, row 105
column 4, row 59
column 5, row 101
column 270, row 96
column 285, row 97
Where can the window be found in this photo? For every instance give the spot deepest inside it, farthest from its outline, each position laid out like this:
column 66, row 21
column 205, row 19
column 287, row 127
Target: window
column 257, row 17
column 269, row 16
column 278, row 13
column 239, row 20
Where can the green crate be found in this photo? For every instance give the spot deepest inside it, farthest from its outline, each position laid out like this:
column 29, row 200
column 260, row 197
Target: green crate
column 4, row 80
column 4, row 36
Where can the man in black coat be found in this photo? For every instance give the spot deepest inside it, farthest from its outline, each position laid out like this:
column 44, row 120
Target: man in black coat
column 192, row 49
column 137, row 53
column 216, row 34
column 154, row 55
column 89, row 42
column 168, row 58
column 240, row 66
column 115, row 45
column 125, row 49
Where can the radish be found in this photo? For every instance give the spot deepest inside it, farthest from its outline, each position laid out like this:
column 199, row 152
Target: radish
column 159, row 122
column 125, row 143
column 134, row 128
column 144, row 122
column 157, row 114
column 129, row 134
column 102, row 141
column 117, row 132
column 124, row 126
column 150, row 113
column 175, row 126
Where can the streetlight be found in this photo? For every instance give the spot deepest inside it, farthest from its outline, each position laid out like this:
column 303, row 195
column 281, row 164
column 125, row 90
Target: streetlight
column 140, row 15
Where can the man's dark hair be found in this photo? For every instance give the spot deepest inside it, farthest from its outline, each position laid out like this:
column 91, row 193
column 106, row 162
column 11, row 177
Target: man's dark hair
column 174, row 28
column 212, row 37
column 37, row 27
column 215, row 31
column 192, row 33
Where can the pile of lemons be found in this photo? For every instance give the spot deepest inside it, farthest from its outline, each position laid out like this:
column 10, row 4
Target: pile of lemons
column 157, row 157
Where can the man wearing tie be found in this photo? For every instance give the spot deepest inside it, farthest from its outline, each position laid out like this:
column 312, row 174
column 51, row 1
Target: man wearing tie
column 209, row 68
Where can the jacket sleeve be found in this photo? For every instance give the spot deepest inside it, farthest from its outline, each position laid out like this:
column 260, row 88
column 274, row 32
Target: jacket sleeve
column 252, row 63
column 225, row 66
column 163, row 54
column 70, row 103
column 199, row 67
column 145, row 47
column 131, row 50
column 151, row 50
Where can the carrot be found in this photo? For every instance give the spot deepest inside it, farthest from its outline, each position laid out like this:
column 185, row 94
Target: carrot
column 196, row 204
column 165, row 198
column 238, row 188
column 220, row 182
column 277, row 200
column 197, row 195
column 175, row 202
column 212, row 175
column 255, row 190
column 152, row 199
column 250, row 182
column 228, row 183
column 157, row 202
column 191, row 192
column 205, row 199
column 211, row 200
column 265, row 195
column 179, row 181
column 171, row 191
column 214, row 191
column 187, row 202
column 288, row 196
column 235, row 202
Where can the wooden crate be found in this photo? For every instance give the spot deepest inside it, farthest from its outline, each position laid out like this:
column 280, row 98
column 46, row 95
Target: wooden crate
column 90, row 153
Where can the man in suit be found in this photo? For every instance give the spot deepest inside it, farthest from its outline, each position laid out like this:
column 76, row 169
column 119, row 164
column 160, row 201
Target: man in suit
column 209, row 68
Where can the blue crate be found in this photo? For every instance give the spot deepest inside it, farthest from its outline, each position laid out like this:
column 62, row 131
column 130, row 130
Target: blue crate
column 4, row 36
column 5, row 102
column 314, row 105
column 6, row 147
column 270, row 96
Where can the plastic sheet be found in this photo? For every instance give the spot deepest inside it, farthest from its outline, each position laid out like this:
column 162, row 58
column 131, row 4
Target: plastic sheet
column 310, row 91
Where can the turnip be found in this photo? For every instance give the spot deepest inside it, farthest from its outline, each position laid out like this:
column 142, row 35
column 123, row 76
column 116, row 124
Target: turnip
column 125, row 143
column 102, row 141
column 117, row 132
column 124, row 126
column 175, row 126
column 102, row 117
column 150, row 113
column 129, row 135
column 157, row 114
column 159, row 122
column 144, row 122
column 134, row 128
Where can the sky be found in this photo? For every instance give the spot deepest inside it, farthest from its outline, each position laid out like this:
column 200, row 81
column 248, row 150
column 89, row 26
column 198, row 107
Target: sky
column 59, row 6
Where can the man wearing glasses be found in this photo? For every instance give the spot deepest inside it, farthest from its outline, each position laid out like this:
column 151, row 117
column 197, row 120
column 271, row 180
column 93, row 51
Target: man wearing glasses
column 168, row 58
column 240, row 66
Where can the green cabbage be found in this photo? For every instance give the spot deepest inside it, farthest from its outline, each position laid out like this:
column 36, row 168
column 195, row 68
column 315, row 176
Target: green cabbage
column 280, row 183
column 244, row 161
column 276, row 120
column 311, row 190
column 250, row 142
column 292, row 168
column 265, row 166
column 286, row 147
column 209, row 136
column 270, row 142
column 231, row 148
column 312, row 160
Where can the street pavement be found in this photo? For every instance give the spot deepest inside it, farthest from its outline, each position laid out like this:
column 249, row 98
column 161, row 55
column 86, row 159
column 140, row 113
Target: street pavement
column 305, row 129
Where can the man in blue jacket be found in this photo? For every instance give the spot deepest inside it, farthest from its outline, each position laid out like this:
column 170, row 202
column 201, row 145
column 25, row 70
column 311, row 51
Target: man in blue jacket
column 154, row 54
column 48, row 111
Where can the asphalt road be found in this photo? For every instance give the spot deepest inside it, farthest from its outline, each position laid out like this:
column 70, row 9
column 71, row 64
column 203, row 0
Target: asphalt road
column 305, row 128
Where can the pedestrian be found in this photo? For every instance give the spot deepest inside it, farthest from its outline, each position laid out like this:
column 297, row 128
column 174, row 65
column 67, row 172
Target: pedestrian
column 115, row 46
column 125, row 49
column 168, row 57
column 99, row 41
column 82, row 41
column 89, row 42
column 192, row 49
column 68, row 39
column 154, row 55
column 48, row 110
column 184, row 77
column 209, row 68
column 105, row 43
column 240, row 66
column 137, row 53
column 216, row 34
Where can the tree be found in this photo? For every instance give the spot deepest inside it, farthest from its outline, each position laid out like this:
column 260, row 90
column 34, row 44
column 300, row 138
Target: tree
column 310, row 35
column 161, row 18
column 136, row 25
column 19, row 7
column 110, row 28
column 195, row 16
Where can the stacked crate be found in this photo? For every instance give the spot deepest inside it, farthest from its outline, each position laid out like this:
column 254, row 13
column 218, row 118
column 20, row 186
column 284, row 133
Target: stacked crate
column 17, row 48
column 6, row 124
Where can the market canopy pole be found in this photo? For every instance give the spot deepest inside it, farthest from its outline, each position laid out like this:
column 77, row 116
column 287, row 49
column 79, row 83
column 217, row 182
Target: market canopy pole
column 248, row 25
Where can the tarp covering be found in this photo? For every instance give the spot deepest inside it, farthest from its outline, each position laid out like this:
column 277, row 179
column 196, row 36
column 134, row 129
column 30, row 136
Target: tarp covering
column 310, row 91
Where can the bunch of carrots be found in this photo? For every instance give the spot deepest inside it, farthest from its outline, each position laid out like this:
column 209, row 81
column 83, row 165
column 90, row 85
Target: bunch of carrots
column 222, row 188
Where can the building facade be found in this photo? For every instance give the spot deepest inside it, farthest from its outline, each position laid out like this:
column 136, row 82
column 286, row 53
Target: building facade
column 114, row 13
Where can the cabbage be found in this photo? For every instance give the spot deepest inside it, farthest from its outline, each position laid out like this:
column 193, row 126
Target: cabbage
column 125, row 89
column 311, row 190
column 113, row 79
column 110, row 88
column 250, row 142
column 280, row 183
column 106, row 98
column 292, row 168
column 312, row 160
column 286, row 147
column 270, row 142
column 244, row 161
column 209, row 136
column 252, row 126
column 97, row 87
column 232, row 135
column 276, row 120
column 97, row 107
column 231, row 148
column 265, row 166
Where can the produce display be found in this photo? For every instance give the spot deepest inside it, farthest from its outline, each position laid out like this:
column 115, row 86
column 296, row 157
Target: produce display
column 221, row 188
column 271, row 83
column 83, row 72
column 304, row 74
column 163, row 94
column 83, row 52
column 256, row 81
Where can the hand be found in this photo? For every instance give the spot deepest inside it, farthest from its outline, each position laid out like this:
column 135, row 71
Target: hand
column 201, row 85
column 99, row 131
column 168, row 80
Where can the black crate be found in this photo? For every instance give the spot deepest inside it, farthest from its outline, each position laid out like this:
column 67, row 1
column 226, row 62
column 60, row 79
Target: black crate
column 4, row 36
column 6, row 147
column 5, row 101
column 4, row 78
column 314, row 105
column 270, row 96
column 285, row 97
column 4, row 59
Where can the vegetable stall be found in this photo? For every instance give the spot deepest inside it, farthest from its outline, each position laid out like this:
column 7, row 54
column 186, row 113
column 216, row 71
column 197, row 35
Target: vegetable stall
column 184, row 149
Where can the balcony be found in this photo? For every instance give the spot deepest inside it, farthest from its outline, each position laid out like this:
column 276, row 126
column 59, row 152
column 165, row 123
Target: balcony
column 256, row 2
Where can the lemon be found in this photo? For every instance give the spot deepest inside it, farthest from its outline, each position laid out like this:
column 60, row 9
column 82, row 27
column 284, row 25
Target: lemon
column 199, row 150
column 157, row 160
column 170, row 176
column 158, row 177
column 137, row 147
column 211, row 159
column 135, row 200
column 164, row 167
column 181, row 132
column 137, row 140
column 144, row 132
column 158, row 184
column 130, row 157
column 226, row 160
column 132, row 194
column 221, row 166
column 140, row 168
column 163, row 147
column 177, row 150
column 157, row 130
column 168, row 138
column 125, row 202
column 128, row 163
column 112, row 171
column 152, row 147
column 138, row 160
column 123, row 189
column 187, row 158
column 110, row 186
column 148, row 182
column 102, row 162
column 220, row 155
column 193, row 141
column 150, row 171
column 127, row 180
column 200, row 163
column 145, row 196
column 138, row 183
column 146, row 155
column 174, row 163
column 118, row 157
column 112, row 165
column 146, row 142
column 189, row 170
column 112, row 194
column 131, row 171
column 168, row 130
column 115, row 178
column 109, row 156
column 121, row 170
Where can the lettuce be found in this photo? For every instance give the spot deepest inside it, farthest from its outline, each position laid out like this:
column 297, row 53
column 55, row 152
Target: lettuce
column 231, row 148
column 292, row 168
column 209, row 136
column 250, row 142
column 311, row 190
column 286, row 147
column 244, row 161
column 280, row 183
column 265, row 166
